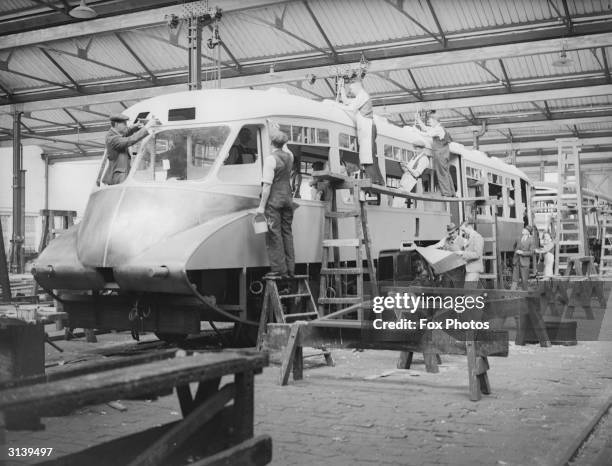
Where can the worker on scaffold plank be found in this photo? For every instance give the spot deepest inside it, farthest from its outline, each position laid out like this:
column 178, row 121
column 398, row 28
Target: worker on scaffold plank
column 440, row 150
column 359, row 102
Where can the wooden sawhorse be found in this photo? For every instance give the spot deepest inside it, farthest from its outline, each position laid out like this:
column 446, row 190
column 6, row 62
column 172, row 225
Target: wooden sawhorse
column 209, row 430
column 478, row 346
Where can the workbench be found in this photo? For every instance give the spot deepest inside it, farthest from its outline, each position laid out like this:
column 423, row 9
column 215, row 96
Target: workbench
column 210, row 431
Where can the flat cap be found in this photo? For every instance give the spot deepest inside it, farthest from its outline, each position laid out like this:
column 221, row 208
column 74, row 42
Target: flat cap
column 277, row 136
column 119, row 117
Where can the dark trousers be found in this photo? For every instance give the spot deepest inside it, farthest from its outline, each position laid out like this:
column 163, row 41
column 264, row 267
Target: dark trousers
column 373, row 170
column 523, row 270
column 279, row 239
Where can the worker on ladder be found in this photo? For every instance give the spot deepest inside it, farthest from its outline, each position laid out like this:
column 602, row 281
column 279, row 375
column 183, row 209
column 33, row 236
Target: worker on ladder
column 359, row 102
column 277, row 205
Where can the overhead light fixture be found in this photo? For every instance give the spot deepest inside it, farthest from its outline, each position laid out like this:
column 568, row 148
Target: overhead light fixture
column 563, row 59
column 83, row 11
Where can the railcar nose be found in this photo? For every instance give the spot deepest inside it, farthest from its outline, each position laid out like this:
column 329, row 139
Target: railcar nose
column 120, row 223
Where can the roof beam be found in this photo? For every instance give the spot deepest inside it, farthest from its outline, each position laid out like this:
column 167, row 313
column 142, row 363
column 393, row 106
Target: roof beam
column 399, row 6
column 496, row 99
column 506, row 78
column 604, row 65
column 385, row 76
column 539, row 144
column 518, row 122
column 568, row 17
column 95, row 62
column 52, row 7
column 76, row 85
column 117, row 15
column 136, row 57
column 435, row 17
column 321, row 30
column 296, row 69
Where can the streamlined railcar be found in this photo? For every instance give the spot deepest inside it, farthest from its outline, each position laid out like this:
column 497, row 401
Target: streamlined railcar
column 174, row 244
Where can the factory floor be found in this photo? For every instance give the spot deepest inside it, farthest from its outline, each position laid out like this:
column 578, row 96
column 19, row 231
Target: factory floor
column 364, row 411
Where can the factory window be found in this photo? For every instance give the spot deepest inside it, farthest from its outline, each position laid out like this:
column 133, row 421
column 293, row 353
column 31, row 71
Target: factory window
column 180, row 154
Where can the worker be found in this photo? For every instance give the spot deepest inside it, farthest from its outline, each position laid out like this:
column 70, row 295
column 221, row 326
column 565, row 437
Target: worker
column 452, row 242
column 359, row 102
column 276, row 205
column 413, row 170
column 523, row 250
column 440, row 151
column 472, row 254
column 118, row 139
column 547, row 252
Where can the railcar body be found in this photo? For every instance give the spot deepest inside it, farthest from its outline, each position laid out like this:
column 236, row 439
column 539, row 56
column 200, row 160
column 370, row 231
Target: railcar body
column 176, row 238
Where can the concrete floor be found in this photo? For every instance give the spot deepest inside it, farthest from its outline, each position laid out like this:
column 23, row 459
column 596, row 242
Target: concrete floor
column 363, row 411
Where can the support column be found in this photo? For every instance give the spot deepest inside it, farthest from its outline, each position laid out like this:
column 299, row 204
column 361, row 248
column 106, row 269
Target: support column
column 194, row 40
column 17, row 251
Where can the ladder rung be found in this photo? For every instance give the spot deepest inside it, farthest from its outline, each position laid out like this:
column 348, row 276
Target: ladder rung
column 350, row 213
column 488, row 276
column 489, row 258
column 343, row 300
column 488, row 238
column 332, row 243
column 301, row 314
column 569, row 243
column 568, row 232
column 342, row 271
column 285, row 278
column 294, row 295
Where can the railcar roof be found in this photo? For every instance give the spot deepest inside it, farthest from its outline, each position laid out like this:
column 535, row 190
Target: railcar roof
column 225, row 105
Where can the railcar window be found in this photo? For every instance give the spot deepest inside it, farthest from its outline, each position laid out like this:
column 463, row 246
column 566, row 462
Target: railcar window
column 244, row 150
column 180, row 154
column 348, row 141
column 306, row 135
column 510, row 187
column 496, row 189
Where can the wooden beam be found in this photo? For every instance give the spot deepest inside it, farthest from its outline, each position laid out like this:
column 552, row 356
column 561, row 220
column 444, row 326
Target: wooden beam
column 568, row 17
column 51, row 6
column 506, row 78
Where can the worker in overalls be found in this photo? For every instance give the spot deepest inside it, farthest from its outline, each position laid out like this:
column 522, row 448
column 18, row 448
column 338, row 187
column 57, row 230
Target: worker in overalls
column 452, row 242
column 277, row 205
column 440, row 151
column 359, row 102
column 523, row 250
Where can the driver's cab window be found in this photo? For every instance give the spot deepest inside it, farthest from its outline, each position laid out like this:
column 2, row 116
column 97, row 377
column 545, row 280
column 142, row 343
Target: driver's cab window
column 243, row 161
column 245, row 148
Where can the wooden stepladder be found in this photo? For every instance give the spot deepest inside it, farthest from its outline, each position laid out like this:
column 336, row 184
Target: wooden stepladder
column 278, row 305
column 605, row 259
column 491, row 257
column 571, row 228
column 337, row 290
column 49, row 230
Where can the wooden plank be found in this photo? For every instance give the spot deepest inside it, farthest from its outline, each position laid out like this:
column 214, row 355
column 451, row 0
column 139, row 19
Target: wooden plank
column 252, row 452
column 342, row 242
column 405, row 360
column 175, row 437
column 289, row 353
column 474, row 385
column 488, row 342
column 119, row 383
